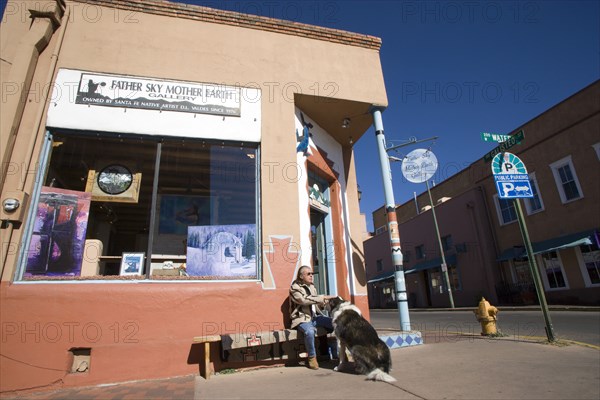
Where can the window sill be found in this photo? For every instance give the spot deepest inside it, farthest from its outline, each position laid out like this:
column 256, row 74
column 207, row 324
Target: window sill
column 134, row 279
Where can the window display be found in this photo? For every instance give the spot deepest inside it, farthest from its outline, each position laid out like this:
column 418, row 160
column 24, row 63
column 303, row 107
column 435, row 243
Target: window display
column 186, row 189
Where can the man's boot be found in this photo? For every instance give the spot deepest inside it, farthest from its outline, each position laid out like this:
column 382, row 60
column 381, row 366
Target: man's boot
column 312, row 363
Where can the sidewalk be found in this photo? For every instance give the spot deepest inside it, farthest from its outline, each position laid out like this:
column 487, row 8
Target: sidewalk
column 459, row 367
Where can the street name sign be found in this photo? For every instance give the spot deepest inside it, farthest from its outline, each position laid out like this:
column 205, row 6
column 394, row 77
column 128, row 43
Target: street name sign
column 494, row 137
column 512, row 141
column 510, row 174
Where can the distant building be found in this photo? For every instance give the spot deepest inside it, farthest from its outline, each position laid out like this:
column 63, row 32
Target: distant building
column 482, row 242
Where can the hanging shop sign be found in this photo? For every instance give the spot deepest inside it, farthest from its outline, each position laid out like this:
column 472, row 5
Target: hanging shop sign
column 151, row 94
column 419, row 165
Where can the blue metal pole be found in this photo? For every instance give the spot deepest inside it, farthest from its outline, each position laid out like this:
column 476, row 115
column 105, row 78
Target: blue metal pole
column 390, row 209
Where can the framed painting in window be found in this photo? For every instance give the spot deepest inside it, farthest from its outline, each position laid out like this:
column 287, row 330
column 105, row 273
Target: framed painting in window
column 132, row 264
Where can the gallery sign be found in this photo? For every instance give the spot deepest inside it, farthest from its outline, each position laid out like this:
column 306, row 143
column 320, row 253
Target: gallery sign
column 152, row 94
column 107, row 102
column 419, row 165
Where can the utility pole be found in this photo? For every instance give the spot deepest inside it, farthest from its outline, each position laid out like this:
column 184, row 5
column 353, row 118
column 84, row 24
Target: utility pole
column 439, row 239
column 392, row 223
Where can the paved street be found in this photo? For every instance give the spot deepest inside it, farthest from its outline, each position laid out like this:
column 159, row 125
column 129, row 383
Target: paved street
column 580, row 326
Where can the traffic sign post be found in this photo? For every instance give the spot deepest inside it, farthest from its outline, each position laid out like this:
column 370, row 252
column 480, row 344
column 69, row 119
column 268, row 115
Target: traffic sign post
column 535, row 273
column 512, row 182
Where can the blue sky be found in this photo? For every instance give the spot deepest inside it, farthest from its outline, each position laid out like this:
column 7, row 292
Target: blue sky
column 455, row 69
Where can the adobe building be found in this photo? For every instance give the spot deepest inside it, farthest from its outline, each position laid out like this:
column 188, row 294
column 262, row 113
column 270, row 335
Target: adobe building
column 163, row 184
column 481, row 239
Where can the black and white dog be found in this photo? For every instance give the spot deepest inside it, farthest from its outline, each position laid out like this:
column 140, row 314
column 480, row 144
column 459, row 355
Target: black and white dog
column 371, row 356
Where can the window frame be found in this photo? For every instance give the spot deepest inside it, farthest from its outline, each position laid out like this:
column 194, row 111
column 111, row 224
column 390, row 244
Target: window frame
column 499, row 213
column 555, row 167
column 537, row 194
column 543, row 272
column 447, row 243
column 420, row 253
column 596, row 147
column 583, row 267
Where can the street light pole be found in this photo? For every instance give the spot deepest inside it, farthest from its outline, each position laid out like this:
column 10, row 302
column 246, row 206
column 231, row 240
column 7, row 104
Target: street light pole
column 390, row 209
column 444, row 265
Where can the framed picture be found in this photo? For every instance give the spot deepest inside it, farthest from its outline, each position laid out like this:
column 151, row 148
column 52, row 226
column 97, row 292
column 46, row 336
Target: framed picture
column 222, row 251
column 132, row 264
column 114, row 181
column 58, row 237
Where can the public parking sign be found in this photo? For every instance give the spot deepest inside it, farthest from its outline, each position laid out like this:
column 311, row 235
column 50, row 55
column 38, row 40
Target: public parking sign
column 511, row 177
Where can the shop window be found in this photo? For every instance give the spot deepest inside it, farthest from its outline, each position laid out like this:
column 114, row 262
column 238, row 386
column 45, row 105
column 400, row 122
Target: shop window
column 140, row 207
column 566, row 180
column 590, row 264
column 506, row 210
column 534, row 204
column 553, row 274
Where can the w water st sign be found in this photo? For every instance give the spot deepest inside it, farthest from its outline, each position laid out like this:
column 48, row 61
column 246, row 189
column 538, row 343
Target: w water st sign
column 505, row 145
column 494, row 137
column 510, row 174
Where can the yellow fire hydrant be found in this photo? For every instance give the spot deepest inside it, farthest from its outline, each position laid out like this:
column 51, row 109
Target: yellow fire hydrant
column 486, row 315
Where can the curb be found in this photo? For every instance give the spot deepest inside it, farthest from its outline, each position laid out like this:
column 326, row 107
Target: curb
column 500, row 308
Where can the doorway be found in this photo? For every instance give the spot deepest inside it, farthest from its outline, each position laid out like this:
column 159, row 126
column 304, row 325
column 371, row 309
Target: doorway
column 319, row 251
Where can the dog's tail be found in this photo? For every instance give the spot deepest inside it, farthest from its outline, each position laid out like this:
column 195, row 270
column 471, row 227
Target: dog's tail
column 379, row 375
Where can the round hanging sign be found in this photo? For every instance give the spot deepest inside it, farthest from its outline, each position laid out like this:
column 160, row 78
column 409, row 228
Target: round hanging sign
column 419, row 165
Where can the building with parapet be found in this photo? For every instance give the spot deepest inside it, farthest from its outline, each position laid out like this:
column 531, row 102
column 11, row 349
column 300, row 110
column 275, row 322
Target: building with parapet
column 166, row 169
